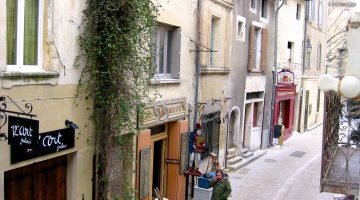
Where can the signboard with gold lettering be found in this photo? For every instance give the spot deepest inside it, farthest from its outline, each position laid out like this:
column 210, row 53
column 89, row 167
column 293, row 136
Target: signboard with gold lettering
column 164, row 111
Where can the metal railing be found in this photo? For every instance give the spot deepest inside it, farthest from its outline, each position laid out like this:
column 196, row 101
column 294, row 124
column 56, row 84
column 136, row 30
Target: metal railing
column 340, row 170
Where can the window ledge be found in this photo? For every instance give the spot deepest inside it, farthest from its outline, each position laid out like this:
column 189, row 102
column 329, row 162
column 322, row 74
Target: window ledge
column 214, row 71
column 255, row 72
column 164, row 81
column 14, row 78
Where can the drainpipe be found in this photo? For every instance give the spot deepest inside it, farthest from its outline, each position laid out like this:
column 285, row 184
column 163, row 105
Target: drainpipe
column 275, row 70
column 197, row 62
column 304, row 63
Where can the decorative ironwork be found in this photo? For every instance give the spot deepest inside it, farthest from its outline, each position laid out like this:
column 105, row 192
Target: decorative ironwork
column 340, row 171
column 21, row 110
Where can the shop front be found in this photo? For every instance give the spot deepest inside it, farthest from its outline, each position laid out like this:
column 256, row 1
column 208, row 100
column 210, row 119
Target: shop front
column 43, row 157
column 159, row 161
column 285, row 96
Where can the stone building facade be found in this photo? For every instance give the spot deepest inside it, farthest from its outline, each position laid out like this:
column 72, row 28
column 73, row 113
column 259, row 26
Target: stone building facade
column 37, row 74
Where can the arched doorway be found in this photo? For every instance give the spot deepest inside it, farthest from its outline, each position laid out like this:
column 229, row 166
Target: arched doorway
column 233, row 139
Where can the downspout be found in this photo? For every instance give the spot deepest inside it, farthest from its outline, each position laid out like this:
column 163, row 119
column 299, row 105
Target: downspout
column 197, row 63
column 275, row 69
column 303, row 64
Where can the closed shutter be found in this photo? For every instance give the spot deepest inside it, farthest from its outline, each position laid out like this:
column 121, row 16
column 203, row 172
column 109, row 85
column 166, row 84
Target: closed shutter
column 263, row 62
column 251, row 59
column 175, row 53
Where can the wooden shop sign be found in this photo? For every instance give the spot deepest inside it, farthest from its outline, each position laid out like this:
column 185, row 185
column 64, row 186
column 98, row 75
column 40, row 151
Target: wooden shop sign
column 172, row 161
column 26, row 142
column 164, row 111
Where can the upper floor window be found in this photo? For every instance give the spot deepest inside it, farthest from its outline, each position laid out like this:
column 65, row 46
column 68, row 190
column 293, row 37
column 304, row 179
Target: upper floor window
column 264, row 9
column 24, row 35
column 257, row 49
column 240, row 31
column 321, row 17
column 298, row 11
column 253, row 4
column 215, row 42
column 167, row 51
column 312, row 10
column 318, row 59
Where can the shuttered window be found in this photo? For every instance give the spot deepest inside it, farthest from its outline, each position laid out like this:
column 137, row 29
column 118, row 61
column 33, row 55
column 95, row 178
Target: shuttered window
column 257, row 49
column 167, row 43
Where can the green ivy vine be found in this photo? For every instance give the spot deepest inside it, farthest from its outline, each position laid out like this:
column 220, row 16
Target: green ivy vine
column 116, row 49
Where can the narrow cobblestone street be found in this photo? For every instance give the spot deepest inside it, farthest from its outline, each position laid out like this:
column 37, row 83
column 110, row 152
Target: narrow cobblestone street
column 288, row 172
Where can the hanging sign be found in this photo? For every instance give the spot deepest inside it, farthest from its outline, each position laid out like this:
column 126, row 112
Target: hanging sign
column 285, row 77
column 27, row 143
column 23, row 134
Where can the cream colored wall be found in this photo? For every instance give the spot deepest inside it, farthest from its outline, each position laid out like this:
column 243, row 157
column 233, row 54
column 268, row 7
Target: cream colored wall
column 315, row 117
column 53, row 99
column 169, row 14
column 53, row 105
column 211, row 8
column 292, row 30
column 214, row 83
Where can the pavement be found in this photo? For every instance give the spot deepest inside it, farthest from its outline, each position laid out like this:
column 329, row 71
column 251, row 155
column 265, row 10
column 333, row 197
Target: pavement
column 290, row 171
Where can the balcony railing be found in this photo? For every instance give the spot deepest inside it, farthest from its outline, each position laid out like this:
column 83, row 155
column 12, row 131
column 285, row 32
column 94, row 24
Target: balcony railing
column 340, row 170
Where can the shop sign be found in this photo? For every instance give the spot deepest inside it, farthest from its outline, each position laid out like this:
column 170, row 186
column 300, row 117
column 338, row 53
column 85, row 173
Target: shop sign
column 161, row 112
column 285, row 77
column 27, row 143
column 172, row 161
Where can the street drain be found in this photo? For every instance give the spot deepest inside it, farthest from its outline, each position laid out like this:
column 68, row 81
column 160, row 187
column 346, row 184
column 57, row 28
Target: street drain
column 298, row 154
column 270, row 160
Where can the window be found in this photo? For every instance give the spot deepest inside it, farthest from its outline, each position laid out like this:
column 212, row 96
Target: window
column 23, row 35
column 215, row 42
column 312, row 10
column 253, row 4
column 257, row 46
column 167, row 51
column 264, row 9
column 346, row 13
column 211, row 125
column 320, row 18
column 290, row 51
column 257, row 49
column 240, row 30
column 298, row 11
column 318, row 101
column 318, row 59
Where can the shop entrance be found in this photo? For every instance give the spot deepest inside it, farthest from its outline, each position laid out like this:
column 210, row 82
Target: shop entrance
column 158, row 155
column 44, row 180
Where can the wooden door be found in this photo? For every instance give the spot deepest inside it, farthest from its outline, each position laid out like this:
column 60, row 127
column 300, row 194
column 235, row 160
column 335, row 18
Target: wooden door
column 41, row 181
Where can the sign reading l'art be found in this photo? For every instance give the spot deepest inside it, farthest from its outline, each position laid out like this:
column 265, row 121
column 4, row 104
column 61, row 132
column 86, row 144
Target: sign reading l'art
column 285, row 77
column 27, row 143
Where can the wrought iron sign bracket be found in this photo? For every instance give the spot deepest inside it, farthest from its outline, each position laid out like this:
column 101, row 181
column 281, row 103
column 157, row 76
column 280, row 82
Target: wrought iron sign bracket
column 4, row 111
column 215, row 100
column 201, row 105
column 227, row 99
column 201, row 47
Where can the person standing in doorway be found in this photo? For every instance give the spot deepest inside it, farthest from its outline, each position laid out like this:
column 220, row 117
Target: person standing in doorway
column 221, row 186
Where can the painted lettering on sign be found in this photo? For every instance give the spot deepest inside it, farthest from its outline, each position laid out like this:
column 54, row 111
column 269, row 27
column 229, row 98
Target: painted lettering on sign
column 174, row 109
column 23, row 132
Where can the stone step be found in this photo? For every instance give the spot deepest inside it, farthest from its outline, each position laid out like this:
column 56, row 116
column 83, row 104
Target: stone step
column 228, row 157
column 245, row 161
column 245, row 150
column 248, row 154
column 234, row 160
column 232, row 151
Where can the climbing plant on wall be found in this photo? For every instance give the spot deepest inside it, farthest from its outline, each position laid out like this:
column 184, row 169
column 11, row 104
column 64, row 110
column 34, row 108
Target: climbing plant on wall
column 116, row 49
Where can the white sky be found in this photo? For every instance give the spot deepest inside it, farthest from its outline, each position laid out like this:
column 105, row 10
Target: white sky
column 357, row 7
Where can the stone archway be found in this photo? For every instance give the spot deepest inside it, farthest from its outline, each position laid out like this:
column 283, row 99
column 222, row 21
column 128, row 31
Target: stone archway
column 234, row 128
